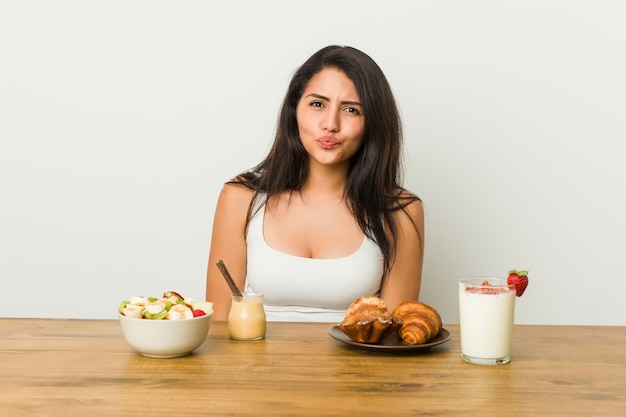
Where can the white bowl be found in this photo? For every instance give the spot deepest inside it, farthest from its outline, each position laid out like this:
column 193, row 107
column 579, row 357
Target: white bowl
column 165, row 338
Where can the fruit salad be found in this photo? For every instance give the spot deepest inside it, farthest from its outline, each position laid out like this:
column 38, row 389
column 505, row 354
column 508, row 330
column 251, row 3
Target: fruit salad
column 171, row 306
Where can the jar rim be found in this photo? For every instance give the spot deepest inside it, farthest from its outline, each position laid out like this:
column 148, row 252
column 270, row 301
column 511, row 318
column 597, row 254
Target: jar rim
column 247, row 296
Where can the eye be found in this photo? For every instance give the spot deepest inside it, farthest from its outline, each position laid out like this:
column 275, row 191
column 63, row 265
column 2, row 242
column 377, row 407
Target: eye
column 316, row 104
column 353, row 110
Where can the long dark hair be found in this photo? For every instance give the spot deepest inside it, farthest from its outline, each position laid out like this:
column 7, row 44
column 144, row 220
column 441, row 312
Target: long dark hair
column 373, row 191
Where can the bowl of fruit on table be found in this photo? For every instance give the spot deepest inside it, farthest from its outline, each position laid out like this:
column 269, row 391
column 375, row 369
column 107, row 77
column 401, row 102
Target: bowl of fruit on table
column 165, row 327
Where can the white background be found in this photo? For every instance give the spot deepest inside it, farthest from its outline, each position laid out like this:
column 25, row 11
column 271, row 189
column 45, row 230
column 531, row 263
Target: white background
column 120, row 120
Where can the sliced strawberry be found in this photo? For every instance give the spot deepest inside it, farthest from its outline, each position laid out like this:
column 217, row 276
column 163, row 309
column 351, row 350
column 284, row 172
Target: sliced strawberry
column 518, row 280
column 198, row 313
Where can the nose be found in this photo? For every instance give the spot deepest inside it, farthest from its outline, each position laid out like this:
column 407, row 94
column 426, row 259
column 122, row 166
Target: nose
column 331, row 121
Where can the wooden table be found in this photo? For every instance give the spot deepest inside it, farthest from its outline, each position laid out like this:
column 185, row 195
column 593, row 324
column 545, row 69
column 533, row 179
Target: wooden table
column 85, row 368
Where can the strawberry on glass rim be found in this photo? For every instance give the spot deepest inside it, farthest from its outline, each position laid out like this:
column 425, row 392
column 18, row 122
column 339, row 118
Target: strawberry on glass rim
column 518, row 280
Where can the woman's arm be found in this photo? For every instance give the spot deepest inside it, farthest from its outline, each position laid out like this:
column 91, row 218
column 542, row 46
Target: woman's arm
column 228, row 243
column 405, row 276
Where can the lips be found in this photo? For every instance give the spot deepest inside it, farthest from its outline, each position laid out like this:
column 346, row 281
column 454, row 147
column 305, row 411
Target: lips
column 328, row 142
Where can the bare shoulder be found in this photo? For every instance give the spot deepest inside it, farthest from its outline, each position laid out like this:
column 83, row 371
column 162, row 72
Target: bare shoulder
column 231, row 212
column 409, row 218
column 411, row 206
column 234, row 196
column 232, row 207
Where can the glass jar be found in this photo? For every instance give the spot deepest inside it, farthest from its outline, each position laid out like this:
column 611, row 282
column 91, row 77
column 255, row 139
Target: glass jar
column 246, row 320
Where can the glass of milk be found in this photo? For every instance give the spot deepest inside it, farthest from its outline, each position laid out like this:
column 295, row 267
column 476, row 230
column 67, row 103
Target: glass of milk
column 486, row 311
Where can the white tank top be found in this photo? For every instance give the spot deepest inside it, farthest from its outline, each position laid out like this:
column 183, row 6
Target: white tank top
column 305, row 289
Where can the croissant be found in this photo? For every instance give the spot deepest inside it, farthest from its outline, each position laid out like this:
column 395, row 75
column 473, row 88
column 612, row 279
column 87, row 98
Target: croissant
column 368, row 320
column 420, row 322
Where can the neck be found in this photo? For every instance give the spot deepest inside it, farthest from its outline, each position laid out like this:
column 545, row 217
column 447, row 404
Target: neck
column 325, row 182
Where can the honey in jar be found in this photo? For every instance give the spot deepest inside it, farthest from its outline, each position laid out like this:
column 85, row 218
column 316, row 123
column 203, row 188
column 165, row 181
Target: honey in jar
column 246, row 320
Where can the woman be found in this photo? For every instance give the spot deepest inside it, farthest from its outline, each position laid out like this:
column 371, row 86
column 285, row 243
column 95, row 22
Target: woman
column 323, row 219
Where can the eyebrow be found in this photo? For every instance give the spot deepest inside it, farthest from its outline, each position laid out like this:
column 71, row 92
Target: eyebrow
column 321, row 97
